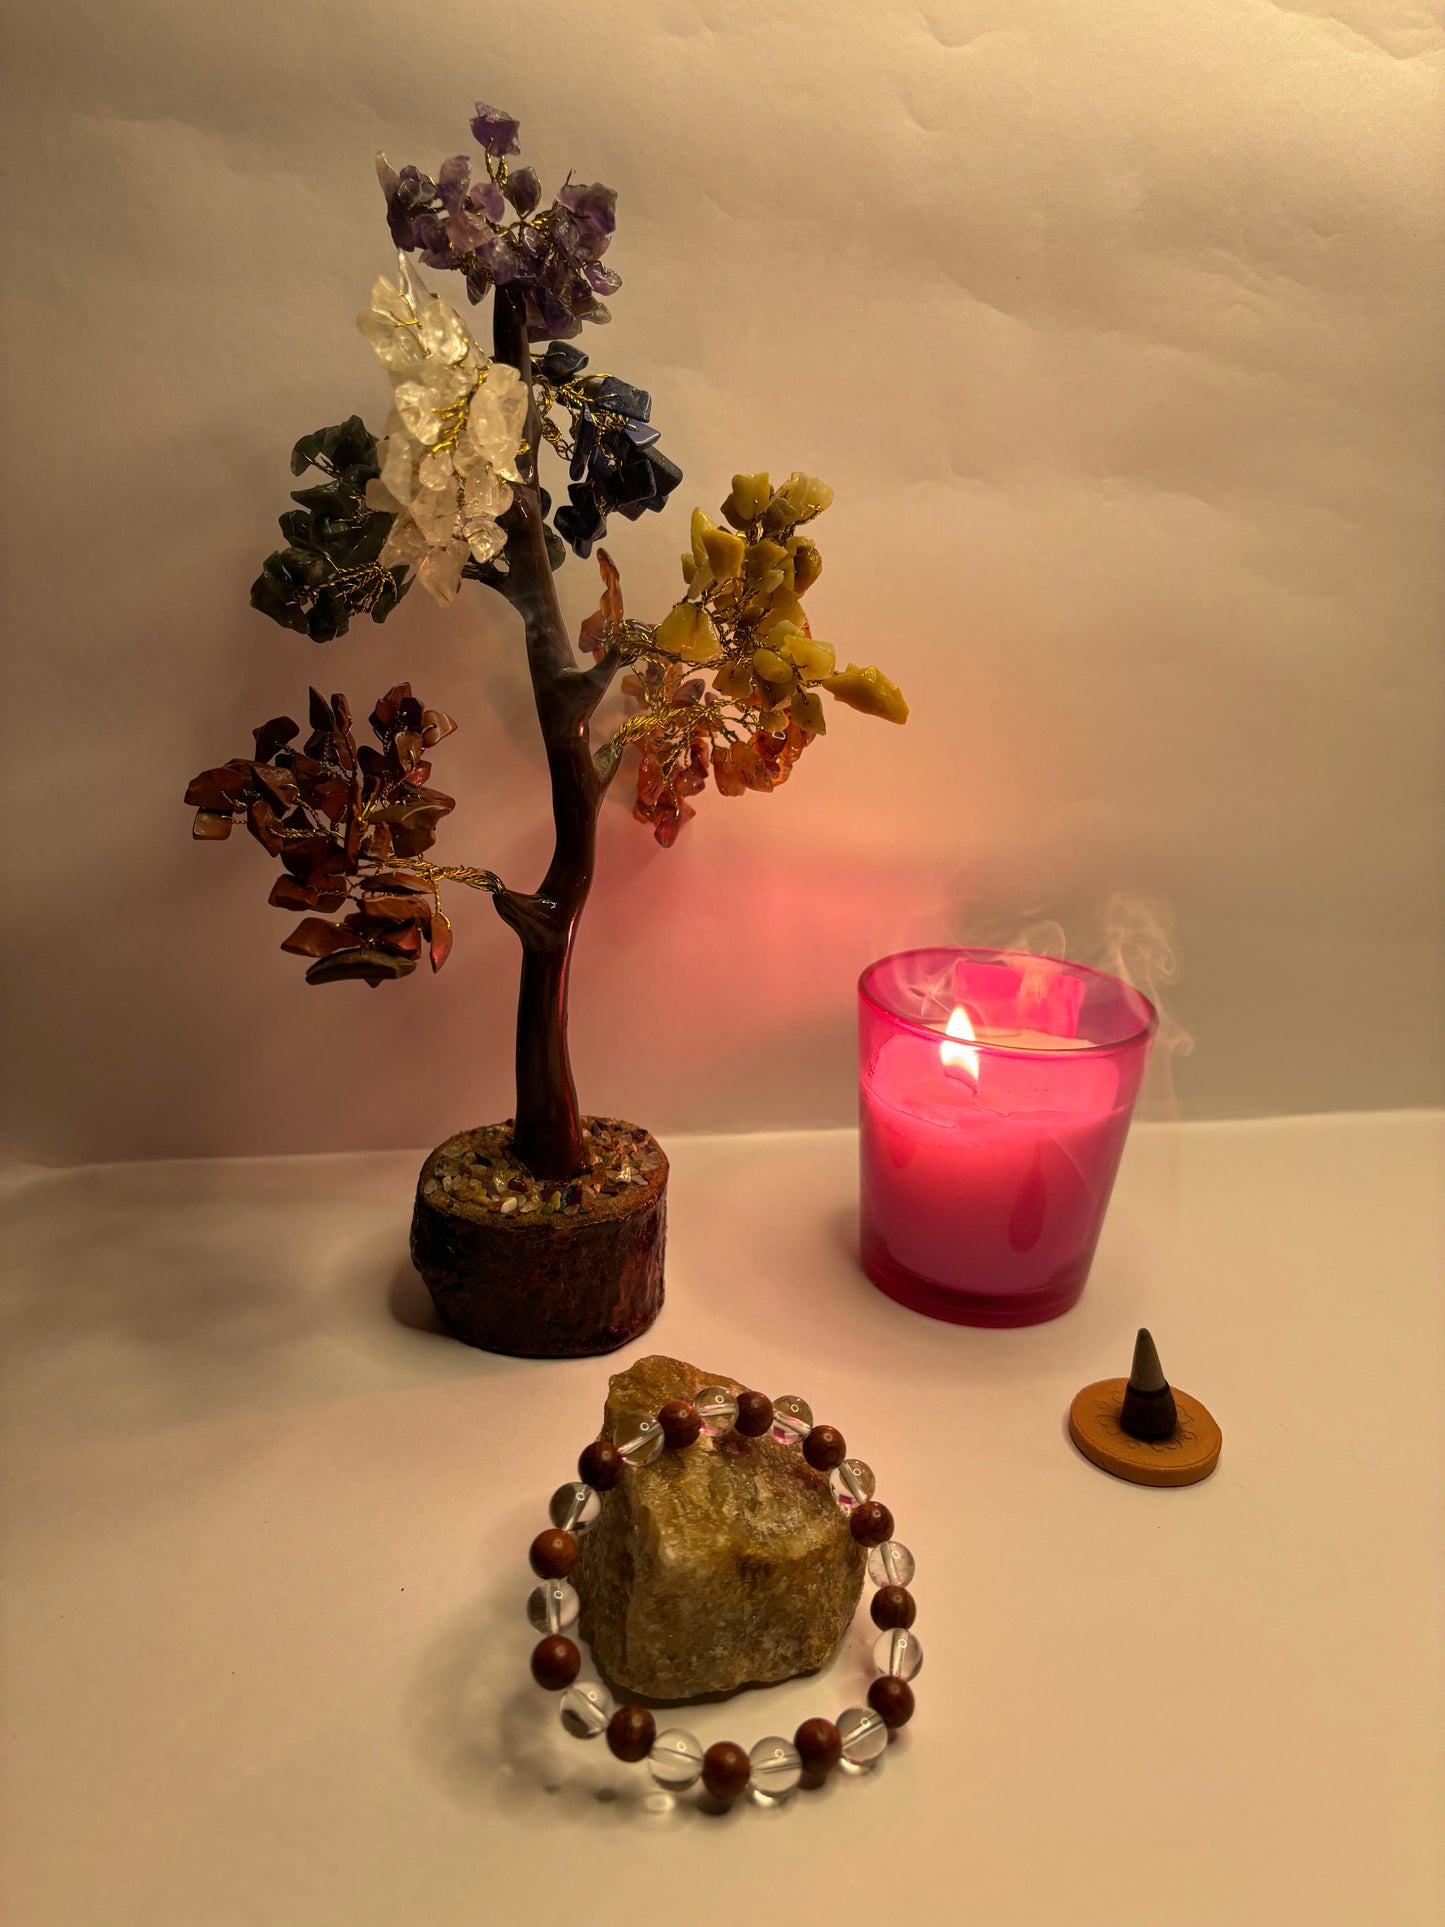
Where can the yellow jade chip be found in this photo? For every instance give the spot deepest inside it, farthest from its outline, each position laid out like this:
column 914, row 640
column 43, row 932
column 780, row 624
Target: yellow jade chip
column 870, row 691
column 812, row 659
column 765, row 558
column 768, row 664
column 807, row 708
column 750, row 496
column 723, row 552
column 735, row 679
column 699, row 528
column 784, row 606
column 799, row 499
column 687, row 631
column 807, row 566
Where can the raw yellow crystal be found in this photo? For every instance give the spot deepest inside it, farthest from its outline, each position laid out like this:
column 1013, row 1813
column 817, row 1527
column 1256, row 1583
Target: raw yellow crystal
column 717, row 1567
column 870, row 691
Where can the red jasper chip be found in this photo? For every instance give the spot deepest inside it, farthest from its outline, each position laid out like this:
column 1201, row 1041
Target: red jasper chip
column 630, row 1733
column 820, row 1747
column 892, row 1700
column 726, row 1770
column 893, row 1606
column 556, row 1662
column 825, row 1447
column 755, row 1414
column 601, row 1465
column 680, row 1423
column 871, row 1523
column 553, row 1554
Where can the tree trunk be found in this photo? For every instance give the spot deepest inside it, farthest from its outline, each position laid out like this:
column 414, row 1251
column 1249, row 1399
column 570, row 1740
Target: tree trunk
column 548, row 1133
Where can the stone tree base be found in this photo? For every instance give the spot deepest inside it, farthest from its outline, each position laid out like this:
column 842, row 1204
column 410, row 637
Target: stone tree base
column 538, row 1269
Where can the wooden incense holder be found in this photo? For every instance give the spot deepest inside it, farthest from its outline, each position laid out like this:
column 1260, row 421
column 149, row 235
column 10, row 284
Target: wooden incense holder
column 1188, row 1454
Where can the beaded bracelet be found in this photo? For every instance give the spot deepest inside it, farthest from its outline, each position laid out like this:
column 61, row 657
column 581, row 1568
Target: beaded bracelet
column 674, row 1757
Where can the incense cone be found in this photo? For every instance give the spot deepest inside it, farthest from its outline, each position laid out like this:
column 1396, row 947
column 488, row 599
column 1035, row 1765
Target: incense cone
column 1148, row 1411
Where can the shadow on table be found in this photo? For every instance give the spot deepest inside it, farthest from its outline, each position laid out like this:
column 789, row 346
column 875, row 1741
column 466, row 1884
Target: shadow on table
column 116, row 1253
column 486, row 1733
column 410, row 1303
column 182, row 1289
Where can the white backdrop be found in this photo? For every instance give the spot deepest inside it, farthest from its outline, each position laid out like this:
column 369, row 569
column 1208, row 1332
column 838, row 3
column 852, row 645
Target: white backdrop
column 1114, row 328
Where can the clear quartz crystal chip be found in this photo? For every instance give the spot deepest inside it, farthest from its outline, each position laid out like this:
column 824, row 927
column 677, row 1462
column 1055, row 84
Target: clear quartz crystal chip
column 852, row 1482
column 863, row 1734
column 676, row 1759
column 792, row 1419
column 575, row 1506
column 717, row 1408
column 898, row 1652
column 553, row 1606
column 890, row 1564
column 640, row 1439
column 776, row 1766
column 585, row 1709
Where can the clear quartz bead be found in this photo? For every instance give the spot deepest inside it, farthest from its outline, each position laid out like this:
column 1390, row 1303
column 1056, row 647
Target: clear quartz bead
column 585, row 1709
column 553, row 1606
column 776, row 1766
column 898, row 1652
column 717, row 1408
column 890, row 1564
column 640, row 1439
column 676, row 1759
column 792, row 1419
column 863, row 1734
column 852, row 1482
column 575, row 1507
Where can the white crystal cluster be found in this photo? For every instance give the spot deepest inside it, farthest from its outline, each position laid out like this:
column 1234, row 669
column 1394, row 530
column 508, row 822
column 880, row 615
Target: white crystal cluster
column 452, row 437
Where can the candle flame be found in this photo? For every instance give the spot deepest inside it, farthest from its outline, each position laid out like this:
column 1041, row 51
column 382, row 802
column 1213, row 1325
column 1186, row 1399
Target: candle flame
column 959, row 1056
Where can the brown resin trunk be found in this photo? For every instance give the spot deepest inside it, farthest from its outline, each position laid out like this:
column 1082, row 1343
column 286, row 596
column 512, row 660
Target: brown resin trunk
column 546, row 1282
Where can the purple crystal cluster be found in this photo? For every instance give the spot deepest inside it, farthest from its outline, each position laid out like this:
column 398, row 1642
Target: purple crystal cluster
column 492, row 229
column 489, row 230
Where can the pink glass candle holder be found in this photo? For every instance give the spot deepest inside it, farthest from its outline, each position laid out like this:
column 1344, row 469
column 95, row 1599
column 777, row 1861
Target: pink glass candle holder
column 995, row 1092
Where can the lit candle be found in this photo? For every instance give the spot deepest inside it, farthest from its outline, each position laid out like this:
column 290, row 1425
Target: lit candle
column 996, row 1090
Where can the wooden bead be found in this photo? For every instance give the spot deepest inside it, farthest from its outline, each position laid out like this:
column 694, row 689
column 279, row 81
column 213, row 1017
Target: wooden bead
column 755, row 1414
column 725, row 1770
column 680, row 1423
column 820, row 1747
column 871, row 1523
column 601, row 1465
column 553, row 1554
column 825, row 1447
column 892, row 1700
column 630, row 1733
column 893, row 1606
column 556, row 1662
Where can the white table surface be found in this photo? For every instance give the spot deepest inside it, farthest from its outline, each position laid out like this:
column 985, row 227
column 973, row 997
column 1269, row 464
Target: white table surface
column 265, row 1530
